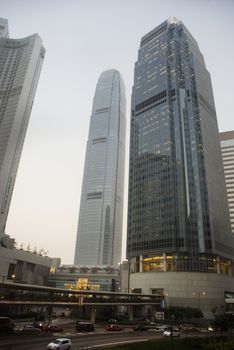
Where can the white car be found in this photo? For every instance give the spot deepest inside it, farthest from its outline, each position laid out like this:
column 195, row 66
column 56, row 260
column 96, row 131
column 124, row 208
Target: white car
column 161, row 328
column 175, row 332
column 61, row 343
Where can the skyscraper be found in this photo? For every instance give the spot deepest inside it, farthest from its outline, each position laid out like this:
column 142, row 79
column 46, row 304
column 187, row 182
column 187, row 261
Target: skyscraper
column 178, row 219
column 227, row 147
column 20, row 65
column 99, row 233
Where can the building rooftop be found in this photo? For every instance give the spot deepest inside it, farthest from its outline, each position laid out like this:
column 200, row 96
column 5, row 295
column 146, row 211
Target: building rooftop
column 88, row 269
column 226, row 135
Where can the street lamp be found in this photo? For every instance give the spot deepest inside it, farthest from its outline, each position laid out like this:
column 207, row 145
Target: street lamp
column 13, row 277
column 3, row 279
column 166, row 300
column 199, row 294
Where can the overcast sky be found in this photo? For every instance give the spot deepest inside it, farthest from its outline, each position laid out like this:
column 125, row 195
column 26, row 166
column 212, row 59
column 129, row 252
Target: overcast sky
column 83, row 38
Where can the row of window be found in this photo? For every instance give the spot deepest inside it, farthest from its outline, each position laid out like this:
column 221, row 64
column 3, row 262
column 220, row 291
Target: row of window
column 151, row 100
column 102, row 110
column 94, row 195
column 99, row 140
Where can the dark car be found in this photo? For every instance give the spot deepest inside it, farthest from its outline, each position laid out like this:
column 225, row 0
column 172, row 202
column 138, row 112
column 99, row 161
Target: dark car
column 54, row 328
column 30, row 329
column 113, row 328
column 84, row 326
column 39, row 324
column 140, row 327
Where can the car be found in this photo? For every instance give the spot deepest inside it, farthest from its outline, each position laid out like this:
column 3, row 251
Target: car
column 140, row 327
column 54, row 328
column 161, row 328
column 84, row 326
column 30, row 329
column 186, row 327
column 172, row 332
column 39, row 324
column 214, row 328
column 113, row 328
column 60, row 344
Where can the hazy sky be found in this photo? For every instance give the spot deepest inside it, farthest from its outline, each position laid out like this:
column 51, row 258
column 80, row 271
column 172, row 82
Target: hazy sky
column 82, row 38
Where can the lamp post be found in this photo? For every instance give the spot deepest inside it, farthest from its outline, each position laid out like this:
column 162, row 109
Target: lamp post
column 166, row 300
column 199, row 294
column 3, row 279
column 13, row 277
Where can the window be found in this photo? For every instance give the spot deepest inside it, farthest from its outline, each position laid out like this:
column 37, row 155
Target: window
column 137, row 290
column 157, row 291
column 94, row 195
column 102, row 110
column 99, row 140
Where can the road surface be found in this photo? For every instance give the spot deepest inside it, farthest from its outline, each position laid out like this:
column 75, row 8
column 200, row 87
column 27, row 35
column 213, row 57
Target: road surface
column 80, row 341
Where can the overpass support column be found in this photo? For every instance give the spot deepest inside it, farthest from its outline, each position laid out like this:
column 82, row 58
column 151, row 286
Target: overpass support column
column 218, row 264
column 164, row 262
column 141, row 263
column 130, row 312
column 48, row 311
column 93, row 315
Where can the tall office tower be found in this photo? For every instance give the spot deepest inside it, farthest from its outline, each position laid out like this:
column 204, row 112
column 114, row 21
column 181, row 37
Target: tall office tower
column 227, row 147
column 99, row 233
column 178, row 219
column 20, row 65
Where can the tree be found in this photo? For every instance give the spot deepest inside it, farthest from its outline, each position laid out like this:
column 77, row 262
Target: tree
column 223, row 322
column 182, row 313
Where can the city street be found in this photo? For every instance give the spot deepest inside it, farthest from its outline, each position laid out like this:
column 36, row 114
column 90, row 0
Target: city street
column 79, row 341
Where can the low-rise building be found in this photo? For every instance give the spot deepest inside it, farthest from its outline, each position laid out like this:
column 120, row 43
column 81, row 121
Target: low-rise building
column 17, row 265
column 98, row 278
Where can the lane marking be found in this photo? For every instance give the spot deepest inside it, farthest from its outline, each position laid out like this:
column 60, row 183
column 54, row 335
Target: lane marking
column 116, row 343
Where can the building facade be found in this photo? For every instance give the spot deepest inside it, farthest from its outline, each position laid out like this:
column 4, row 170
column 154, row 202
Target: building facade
column 20, row 65
column 227, row 147
column 95, row 278
column 20, row 266
column 178, row 219
column 99, row 233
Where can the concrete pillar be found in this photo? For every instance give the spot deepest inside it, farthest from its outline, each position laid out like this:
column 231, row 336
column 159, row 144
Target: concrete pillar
column 164, row 262
column 47, row 312
column 93, row 315
column 130, row 312
column 218, row 264
column 229, row 269
column 141, row 263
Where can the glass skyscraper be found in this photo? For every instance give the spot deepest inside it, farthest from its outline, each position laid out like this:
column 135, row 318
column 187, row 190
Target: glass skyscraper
column 178, row 217
column 20, row 64
column 99, row 236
